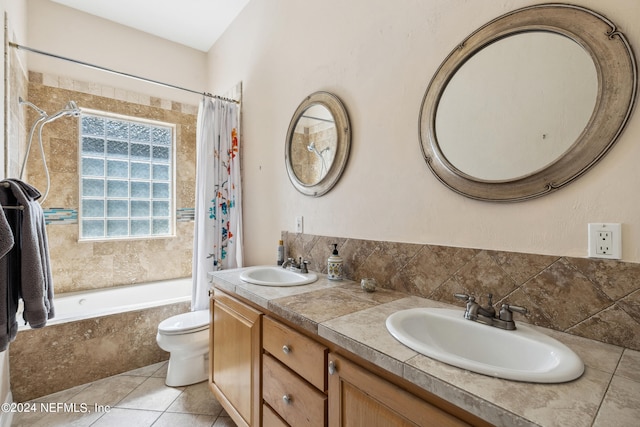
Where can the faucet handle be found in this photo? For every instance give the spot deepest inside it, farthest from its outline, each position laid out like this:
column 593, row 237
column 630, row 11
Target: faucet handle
column 463, row 297
column 506, row 312
column 517, row 309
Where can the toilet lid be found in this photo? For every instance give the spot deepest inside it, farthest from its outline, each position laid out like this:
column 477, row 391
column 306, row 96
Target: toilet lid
column 193, row 321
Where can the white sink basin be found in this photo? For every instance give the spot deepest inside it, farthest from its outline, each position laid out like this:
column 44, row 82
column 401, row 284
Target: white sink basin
column 522, row 355
column 270, row 275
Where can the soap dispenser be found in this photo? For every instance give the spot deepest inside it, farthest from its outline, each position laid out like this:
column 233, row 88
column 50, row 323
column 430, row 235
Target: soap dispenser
column 334, row 265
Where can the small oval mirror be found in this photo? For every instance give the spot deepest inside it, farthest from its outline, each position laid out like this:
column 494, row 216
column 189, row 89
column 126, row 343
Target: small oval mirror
column 317, row 144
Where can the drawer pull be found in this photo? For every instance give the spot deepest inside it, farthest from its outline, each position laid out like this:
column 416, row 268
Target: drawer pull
column 287, row 399
column 332, row 367
column 286, row 349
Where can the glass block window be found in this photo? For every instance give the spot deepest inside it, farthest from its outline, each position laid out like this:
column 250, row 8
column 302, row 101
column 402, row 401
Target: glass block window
column 126, row 178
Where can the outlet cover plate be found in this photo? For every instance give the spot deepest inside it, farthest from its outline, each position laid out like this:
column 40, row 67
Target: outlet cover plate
column 605, row 240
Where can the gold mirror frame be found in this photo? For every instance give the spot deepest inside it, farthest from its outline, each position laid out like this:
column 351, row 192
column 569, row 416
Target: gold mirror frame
column 343, row 135
column 617, row 87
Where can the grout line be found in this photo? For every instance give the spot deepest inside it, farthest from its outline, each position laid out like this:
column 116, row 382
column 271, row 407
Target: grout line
column 606, row 390
column 150, row 375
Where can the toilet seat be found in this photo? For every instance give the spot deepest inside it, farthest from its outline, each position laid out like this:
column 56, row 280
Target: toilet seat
column 185, row 323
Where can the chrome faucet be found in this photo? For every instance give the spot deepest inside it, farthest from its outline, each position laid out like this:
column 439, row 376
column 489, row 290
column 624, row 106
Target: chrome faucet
column 487, row 314
column 301, row 266
column 288, row 263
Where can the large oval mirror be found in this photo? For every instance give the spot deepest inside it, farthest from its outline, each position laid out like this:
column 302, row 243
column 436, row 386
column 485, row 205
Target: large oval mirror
column 528, row 103
column 317, row 144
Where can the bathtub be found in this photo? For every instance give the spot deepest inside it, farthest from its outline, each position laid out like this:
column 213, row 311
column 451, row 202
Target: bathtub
column 94, row 334
column 72, row 306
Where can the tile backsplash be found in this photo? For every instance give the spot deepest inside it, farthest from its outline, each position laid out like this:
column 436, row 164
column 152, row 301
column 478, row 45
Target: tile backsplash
column 597, row 299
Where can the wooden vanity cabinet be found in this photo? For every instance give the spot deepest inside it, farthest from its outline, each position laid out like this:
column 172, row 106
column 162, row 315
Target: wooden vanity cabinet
column 359, row 398
column 235, row 358
column 294, row 378
column 265, row 373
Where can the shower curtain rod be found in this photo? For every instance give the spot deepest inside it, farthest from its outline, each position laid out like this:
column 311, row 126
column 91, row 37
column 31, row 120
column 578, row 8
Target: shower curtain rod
column 98, row 67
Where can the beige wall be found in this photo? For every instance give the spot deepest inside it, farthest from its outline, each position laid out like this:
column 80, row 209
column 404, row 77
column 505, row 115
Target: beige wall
column 378, row 57
column 73, row 34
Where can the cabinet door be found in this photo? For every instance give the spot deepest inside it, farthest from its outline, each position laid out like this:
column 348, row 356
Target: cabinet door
column 235, row 358
column 358, row 398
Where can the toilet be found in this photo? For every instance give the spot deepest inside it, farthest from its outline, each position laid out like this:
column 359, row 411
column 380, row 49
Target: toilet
column 186, row 338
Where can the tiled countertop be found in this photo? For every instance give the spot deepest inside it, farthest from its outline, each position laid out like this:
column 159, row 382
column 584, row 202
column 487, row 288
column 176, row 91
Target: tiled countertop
column 607, row 394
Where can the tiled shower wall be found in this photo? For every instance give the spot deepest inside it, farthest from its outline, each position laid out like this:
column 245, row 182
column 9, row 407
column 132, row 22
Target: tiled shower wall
column 597, row 299
column 89, row 265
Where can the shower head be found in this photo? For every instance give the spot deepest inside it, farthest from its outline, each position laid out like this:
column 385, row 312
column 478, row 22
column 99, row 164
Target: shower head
column 39, row 110
column 312, row 149
column 71, row 109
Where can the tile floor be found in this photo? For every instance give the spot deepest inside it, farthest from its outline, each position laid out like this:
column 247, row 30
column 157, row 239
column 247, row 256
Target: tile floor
column 137, row 398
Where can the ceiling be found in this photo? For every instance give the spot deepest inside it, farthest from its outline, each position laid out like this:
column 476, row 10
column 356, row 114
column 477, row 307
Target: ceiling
column 194, row 23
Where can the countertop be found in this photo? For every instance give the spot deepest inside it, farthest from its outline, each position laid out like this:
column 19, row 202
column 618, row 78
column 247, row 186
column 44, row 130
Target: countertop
column 607, row 394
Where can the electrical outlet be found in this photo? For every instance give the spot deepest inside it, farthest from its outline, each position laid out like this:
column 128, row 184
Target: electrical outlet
column 299, row 224
column 604, row 245
column 605, row 240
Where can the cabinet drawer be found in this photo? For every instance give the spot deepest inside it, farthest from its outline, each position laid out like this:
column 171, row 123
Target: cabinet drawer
column 305, row 356
column 270, row 418
column 298, row 403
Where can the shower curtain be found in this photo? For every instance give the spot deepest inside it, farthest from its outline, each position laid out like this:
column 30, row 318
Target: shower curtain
column 217, row 242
